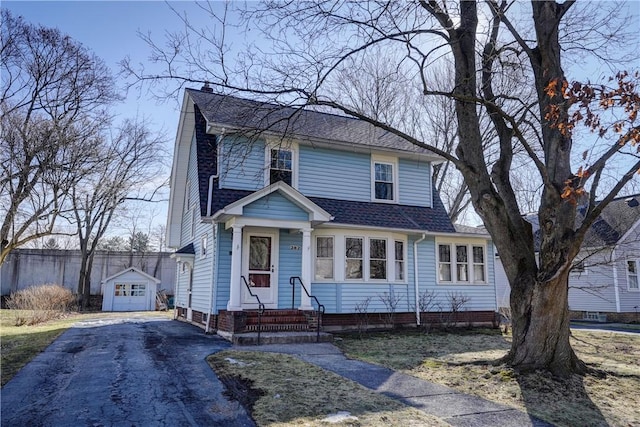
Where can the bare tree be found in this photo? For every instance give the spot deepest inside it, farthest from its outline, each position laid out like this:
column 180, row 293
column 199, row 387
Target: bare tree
column 128, row 161
column 54, row 95
column 304, row 45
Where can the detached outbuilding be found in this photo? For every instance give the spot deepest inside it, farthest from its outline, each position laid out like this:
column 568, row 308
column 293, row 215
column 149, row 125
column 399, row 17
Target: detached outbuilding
column 129, row 290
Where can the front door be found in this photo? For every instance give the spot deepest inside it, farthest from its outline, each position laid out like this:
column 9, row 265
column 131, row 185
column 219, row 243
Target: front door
column 260, row 268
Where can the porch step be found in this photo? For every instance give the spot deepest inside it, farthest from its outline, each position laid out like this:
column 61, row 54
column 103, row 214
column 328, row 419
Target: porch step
column 281, row 327
column 251, row 338
column 272, row 320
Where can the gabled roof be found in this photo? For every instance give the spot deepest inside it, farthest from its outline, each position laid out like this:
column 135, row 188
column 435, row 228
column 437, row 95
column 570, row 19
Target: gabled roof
column 130, row 270
column 316, row 213
column 237, row 114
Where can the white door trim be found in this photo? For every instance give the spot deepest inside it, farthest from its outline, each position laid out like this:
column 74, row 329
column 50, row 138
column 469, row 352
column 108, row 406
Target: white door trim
column 268, row 297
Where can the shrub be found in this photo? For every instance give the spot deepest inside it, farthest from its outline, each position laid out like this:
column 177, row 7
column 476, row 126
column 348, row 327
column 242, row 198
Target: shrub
column 37, row 304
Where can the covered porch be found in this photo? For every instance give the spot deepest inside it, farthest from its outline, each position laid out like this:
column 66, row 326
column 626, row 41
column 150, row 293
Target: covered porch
column 270, row 243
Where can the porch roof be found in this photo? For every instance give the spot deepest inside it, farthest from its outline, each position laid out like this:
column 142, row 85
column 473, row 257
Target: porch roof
column 236, row 208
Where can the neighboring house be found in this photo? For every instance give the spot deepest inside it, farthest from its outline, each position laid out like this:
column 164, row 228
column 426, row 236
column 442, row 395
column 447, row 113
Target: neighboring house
column 261, row 194
column 603, row 284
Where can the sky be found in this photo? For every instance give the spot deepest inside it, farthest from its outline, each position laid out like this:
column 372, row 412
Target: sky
column 110, row 29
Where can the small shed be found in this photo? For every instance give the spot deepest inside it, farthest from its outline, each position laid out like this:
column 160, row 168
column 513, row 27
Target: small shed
column 129, row 290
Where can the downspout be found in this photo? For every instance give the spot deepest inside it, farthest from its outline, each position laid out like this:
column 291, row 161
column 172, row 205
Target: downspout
column 615, row 280
column 213, row 275
column 415, row 275
column 176, row 291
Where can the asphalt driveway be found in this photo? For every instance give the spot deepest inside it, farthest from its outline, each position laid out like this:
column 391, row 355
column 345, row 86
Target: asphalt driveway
column 122, row 372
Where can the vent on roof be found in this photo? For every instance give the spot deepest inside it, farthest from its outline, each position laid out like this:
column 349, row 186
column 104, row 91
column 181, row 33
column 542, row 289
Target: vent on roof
column 206, row 88
column 632, row 202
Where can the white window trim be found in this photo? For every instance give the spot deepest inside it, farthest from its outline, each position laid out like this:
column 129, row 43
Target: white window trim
column 452, row 243
column 281, row 145
column 578, row 273
column 315, row 258
column 626, row 267
column 393, row 161
column 339, row 255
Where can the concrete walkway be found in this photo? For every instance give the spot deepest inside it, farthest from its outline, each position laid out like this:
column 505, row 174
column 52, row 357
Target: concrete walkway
column 455, row 408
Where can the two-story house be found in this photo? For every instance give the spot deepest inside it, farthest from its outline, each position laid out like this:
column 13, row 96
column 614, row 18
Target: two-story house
column 275, row 204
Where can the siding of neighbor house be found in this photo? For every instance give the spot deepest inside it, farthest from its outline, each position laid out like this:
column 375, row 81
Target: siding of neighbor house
column 593, row 289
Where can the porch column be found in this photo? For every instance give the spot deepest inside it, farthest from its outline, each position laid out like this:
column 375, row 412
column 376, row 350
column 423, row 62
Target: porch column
column 305, row 275
column 236, row 267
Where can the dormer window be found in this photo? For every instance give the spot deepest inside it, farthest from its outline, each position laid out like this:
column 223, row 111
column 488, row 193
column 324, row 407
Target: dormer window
column 281, row 166
column 384, row 186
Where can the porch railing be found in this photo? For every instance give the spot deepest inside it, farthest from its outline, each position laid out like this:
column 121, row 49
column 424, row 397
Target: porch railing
column 260, row 306
column 320, row 311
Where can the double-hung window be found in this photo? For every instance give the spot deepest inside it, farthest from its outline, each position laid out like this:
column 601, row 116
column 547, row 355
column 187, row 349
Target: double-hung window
column 399, row 256
column 324, row 258
column 632, row 275
column 353, row 258
column 371, row 257
column 281, row 166
column 378, row 259
column 384, row 179
column 461, row 263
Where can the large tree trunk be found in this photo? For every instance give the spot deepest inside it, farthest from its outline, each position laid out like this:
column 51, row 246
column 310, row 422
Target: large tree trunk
column 540, row 317
column 539, row 293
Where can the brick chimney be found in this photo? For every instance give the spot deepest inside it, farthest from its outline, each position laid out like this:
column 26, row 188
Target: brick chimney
column 206, row 88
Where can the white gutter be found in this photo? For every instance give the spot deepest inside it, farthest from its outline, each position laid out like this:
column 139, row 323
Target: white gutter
column 415, row 275
column 615, row 280
column 213, row 275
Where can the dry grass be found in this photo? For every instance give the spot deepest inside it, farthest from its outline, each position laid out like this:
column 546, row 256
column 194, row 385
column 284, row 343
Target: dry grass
column 20, row 344
column 280, row 390
column 41, row 303
column 464, row 361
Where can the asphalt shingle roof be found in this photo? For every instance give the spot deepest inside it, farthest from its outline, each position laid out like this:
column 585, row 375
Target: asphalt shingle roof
column 614, row 222
column 246, row 114
column 252, row 116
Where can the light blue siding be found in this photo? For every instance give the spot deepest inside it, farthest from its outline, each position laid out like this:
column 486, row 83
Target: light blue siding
column 481, row 297
column 290, row 264
column 275, row 206
column 203, row 268
column 224, row 268
column 242, row 164
column 334, row 174
column 414, row 180
column 192, row 190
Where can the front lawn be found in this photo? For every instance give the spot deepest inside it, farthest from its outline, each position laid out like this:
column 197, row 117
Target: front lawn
column 278, row 390
column 462, row 360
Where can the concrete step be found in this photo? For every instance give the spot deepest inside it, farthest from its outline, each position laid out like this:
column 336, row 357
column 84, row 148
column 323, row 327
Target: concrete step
column 270, row 320
column 251, row 338
column 278, row 327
